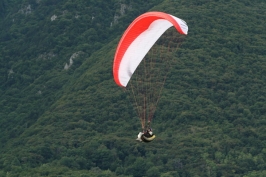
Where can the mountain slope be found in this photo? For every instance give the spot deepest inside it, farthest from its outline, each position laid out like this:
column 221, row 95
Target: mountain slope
column 209, row 122
column 40, row 41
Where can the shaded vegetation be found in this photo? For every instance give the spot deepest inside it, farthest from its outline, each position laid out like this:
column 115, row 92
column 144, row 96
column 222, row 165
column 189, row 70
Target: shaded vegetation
column 62, row 115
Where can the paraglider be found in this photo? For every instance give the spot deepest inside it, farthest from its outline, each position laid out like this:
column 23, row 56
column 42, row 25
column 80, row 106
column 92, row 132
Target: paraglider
column 142, row 60
column 147, row 136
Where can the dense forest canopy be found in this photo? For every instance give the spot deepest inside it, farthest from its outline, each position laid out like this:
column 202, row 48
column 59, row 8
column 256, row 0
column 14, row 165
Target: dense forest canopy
column 62, row 114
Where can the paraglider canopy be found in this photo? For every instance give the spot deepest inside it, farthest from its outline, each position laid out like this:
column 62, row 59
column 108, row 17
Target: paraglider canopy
column 137, row 40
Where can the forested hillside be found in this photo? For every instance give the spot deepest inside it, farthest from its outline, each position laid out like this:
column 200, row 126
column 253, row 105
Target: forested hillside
column 62, row 114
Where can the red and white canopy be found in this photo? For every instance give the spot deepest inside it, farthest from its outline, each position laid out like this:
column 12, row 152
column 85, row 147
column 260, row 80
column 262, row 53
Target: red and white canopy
column 137, row 40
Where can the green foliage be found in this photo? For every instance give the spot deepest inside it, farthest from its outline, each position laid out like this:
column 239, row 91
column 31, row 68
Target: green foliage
column 210, row 120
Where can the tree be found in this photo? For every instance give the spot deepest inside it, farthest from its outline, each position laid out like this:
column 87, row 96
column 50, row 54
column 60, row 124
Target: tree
column 153, row 172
